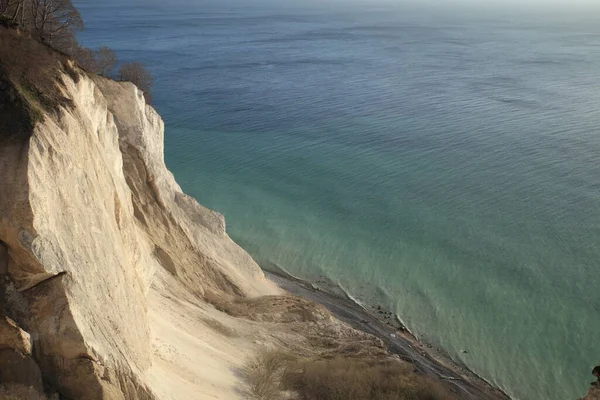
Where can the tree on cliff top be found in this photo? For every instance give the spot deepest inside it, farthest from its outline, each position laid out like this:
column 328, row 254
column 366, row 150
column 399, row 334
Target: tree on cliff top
column 4, row 4
column 106, row 60
column 13, row 10
column 54, row 21
column 86, row 59
column 137, row 74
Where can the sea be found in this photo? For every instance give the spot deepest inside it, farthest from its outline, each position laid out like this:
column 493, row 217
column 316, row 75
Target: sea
column 440, row 159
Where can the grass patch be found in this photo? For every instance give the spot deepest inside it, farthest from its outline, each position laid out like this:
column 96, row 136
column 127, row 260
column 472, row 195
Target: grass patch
column 219, row 327
column 349, row 378
column 284, row 309
column 265, row 374
column 274, row 375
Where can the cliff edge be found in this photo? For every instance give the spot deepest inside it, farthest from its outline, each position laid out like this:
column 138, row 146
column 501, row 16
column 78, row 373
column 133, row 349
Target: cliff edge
column 114, row 284
column 91, row 221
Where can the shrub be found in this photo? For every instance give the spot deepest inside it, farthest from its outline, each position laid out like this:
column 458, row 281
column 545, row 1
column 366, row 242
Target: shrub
column 106, row 60
column 86, row 60
column 272, row 372
column 265, row 372
column 347, row 378
column 137, row 74
column 29, row 75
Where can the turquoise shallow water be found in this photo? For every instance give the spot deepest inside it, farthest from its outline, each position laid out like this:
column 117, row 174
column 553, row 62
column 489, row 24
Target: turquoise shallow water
column 442, row 162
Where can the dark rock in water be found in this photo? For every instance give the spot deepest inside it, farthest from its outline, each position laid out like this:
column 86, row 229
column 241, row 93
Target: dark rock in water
column 464, row 351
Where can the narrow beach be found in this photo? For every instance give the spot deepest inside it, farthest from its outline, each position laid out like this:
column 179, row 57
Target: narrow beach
column 398, row 341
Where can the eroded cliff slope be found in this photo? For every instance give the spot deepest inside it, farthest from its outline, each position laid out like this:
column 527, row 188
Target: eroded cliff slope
column 90, row 220
column 114, row 284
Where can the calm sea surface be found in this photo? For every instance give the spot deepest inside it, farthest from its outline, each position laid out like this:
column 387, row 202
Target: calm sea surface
column 440, row 161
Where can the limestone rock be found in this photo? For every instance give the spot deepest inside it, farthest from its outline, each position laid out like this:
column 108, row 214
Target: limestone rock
column 13, row 337
column 88, row 214
column 20, row 376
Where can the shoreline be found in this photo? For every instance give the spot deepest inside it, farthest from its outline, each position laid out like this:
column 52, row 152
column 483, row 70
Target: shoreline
column 397, row 339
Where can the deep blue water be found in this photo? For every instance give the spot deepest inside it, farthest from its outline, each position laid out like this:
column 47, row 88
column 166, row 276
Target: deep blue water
column 441, row 161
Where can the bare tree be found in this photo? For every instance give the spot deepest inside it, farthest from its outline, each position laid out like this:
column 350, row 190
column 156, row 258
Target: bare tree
column 19, row 11
column 13, row 9
column 86, row 60
column 53, row 19
column 137, row 74
column 4, row 4
column 106, row 60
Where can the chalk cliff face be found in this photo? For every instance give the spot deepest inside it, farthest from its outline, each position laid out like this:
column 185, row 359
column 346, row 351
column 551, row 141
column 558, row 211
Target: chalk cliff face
column 93, row 227
column 114, row 284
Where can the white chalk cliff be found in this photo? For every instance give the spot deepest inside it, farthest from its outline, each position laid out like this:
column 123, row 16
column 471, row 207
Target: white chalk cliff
column 103, row 260
column 115, row 285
